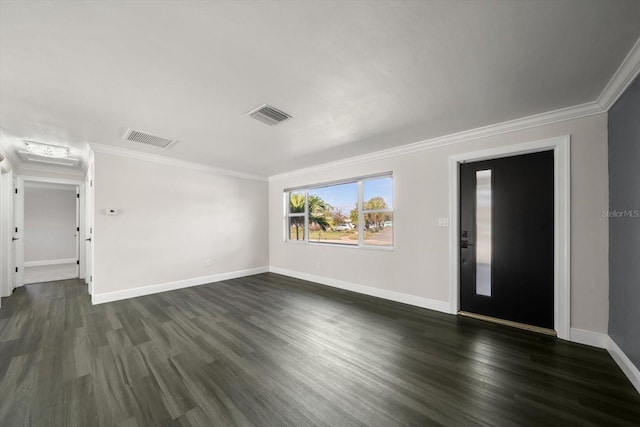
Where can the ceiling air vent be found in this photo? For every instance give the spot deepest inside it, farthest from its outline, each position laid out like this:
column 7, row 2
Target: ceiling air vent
column 268, row 114
column 145, row 138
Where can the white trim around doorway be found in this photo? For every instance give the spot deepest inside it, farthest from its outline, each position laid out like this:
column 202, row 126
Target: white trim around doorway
column 80, row 212
column 562, row 221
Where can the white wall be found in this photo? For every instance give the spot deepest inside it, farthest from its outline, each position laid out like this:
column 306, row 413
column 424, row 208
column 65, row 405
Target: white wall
column 174, row 224
column 418, row 265
column 50, row 219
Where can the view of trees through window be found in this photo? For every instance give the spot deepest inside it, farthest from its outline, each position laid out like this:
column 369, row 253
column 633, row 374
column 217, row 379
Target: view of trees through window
column 344, row 214
column 330, row 222
column 377, row 211
column 296, row 215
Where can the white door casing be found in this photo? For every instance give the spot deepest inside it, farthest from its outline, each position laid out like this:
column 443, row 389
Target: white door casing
column 6, row 231
column 89, row 223
column 80, row 210
column 18, row 232
column 562, row 222
column 77, row 231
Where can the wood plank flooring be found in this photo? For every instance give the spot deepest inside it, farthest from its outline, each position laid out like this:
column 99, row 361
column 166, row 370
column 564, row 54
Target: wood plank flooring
column 269, row 350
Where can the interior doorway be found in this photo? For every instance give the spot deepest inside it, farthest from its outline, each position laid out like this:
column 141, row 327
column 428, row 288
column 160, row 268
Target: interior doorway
column 51, row 231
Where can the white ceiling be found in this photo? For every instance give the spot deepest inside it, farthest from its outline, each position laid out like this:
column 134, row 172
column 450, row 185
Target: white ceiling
column 357, row 76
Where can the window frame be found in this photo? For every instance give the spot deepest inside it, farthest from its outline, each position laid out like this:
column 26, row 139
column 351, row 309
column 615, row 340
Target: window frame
column 289, row 215
column 360, row 206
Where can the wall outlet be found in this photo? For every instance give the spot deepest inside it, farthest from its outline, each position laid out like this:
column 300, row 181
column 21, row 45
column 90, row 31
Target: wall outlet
column 443, row 222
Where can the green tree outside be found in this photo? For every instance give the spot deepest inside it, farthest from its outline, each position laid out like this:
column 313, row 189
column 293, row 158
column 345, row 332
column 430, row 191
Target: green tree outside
column 319, row 212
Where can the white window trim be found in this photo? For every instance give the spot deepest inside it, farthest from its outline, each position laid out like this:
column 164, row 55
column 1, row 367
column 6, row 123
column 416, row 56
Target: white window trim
column 287, row 215
column 361, row 212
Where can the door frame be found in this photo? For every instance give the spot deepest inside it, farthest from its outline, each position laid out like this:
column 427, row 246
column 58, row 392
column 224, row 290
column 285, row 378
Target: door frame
column 6, row 229
column 561, row 213
column 80, row 214
column 88, row 232
column 18, row 232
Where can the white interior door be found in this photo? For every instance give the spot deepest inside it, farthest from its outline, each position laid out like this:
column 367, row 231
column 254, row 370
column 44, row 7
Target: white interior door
column 17, row 240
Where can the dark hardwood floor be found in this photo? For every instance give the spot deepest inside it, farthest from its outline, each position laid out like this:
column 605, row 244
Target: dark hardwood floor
column 269, row 350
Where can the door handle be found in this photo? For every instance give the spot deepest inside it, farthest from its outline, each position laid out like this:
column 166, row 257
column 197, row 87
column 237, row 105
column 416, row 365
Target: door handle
column 13, row 239
column 87, row 240
column 465, row 244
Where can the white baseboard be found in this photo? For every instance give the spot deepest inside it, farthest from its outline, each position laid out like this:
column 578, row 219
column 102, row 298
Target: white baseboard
column 170, row 286
column 431, row 304
column 594, row 339
column 627, row 366
column 599, row 340
column 50, row 262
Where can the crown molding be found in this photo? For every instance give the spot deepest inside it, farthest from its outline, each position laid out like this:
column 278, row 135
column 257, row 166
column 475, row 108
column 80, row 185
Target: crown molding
column 536, row 120
column 623, row 77
column 6, row 164
column 9, row 155
column 155, row 158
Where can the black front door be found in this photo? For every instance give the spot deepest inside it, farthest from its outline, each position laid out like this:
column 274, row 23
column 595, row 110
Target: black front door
column 506, row 238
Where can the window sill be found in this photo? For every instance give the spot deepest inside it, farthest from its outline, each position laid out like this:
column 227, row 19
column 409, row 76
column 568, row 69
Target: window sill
column 338, row 245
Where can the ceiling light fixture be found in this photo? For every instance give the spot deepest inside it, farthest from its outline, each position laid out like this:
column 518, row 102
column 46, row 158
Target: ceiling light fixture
column 47, row 150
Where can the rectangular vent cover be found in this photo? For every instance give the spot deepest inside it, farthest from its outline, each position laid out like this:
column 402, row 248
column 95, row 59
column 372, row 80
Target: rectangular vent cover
column 268, row 114
column 145, row 138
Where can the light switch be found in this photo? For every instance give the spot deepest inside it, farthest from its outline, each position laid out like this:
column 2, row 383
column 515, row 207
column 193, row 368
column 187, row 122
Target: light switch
column 443, row 222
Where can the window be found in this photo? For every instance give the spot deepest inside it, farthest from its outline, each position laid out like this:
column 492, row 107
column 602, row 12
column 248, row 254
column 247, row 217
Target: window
column 356, row 212
column 377, row 211
column 329, row 214
column 297, row 212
